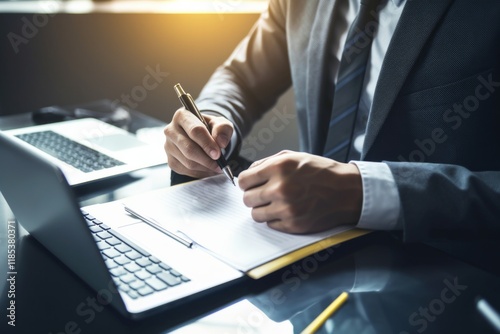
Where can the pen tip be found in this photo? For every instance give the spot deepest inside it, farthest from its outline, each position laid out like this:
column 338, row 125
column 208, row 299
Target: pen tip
column 229, row 174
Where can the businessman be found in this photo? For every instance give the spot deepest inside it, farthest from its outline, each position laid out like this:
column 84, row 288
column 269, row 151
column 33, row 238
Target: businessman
column 398, row 109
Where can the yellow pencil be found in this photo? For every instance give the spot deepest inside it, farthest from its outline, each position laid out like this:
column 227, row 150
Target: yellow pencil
column 318, row 322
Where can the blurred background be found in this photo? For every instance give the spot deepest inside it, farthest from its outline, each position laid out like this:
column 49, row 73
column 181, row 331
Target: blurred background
column 69, row 52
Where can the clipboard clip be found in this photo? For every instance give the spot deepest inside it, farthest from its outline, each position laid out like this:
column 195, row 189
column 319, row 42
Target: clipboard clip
column 153, row 223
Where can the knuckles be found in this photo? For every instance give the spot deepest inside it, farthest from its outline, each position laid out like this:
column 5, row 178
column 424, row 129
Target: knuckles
column 190, row 164
column 284, row 166
column 286, row 189
column 188, row 149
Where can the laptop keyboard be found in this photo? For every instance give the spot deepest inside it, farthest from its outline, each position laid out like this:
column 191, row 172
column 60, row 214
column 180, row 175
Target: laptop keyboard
column 77, row 155
column 134, row 270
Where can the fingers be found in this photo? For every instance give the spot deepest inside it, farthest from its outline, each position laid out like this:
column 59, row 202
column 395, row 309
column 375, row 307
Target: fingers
column 190, row 147
column 253, row 178
column 265, row 214
column 261, row 183
column 196, row 132
column 182, row 165
column 258, row 173
column 278, row 216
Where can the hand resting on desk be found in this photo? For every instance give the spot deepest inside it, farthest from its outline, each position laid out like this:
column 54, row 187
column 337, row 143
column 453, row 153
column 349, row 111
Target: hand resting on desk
column 302, row 193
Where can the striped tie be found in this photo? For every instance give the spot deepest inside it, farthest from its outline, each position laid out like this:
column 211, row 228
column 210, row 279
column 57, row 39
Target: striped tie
column 350, row 81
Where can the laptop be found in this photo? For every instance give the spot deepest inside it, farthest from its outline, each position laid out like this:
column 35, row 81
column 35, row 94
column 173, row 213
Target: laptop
column 132, row 266
column 88, row 149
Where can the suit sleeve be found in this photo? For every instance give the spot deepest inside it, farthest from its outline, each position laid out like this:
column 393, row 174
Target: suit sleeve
column 439, row 200
column 258, row 71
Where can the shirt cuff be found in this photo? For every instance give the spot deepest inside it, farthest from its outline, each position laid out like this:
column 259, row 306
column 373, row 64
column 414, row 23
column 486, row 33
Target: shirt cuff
column 381, row 203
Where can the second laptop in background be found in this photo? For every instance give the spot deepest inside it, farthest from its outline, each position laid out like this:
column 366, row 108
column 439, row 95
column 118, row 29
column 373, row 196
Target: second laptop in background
column 88, row 149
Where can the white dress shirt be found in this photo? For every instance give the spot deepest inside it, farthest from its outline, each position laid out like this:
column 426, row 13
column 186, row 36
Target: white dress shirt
column 381, row 203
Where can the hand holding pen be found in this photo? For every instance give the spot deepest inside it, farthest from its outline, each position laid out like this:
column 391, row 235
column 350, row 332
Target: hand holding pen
column 193, row 142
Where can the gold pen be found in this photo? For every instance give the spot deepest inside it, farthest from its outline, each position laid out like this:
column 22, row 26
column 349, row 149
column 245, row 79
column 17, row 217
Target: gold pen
column 188, row 103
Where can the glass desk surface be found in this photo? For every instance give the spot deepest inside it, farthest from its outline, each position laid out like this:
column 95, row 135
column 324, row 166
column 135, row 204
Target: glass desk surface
column 393, row 287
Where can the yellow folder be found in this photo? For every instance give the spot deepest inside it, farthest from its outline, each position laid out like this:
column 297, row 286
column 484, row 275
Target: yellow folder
column 287, row 259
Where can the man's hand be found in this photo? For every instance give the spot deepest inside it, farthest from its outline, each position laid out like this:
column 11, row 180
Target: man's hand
column 191, row 148
column 302, row 193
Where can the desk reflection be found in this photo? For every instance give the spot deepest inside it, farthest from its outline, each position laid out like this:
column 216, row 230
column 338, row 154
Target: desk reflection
column 413, row 290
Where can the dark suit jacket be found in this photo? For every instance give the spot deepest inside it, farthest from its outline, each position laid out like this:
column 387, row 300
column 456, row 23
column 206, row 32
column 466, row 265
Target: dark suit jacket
column 436, row 110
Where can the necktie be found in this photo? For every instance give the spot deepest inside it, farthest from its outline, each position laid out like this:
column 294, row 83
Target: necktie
column 350, row 81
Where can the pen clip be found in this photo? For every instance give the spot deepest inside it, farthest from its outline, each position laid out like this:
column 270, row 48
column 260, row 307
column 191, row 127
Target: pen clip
column 153, row 223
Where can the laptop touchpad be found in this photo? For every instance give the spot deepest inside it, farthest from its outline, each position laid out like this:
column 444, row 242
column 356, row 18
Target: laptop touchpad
column 117, row 142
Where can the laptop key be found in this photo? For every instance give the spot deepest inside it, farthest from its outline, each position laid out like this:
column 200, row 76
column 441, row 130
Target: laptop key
column 143, row 262
column 102, row 245
column 154, row 259
column 175, row 273
column 136, row 285
column 142, row 275
column 164, row 266
column 156, row 284
column 133, row 255
column 122, row 260
column 145, row 290
column 88, row 216
column 154, row 269
column 104, row 235
column 117, row 281
column 95, row 228
column 122, row 248
column 113, row 241
column 169, row 278
column 111, row 253
column 133, row 294
column 110, row 264
column 118, row 271
column 128, row 278
column 132, row 267
column 124, row 287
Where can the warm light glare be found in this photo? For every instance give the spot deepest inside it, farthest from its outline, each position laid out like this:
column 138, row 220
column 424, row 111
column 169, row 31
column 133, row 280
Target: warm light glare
column 78, row 6
column 166, row 6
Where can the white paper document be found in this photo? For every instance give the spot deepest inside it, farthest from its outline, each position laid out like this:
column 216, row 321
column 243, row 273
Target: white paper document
column 211, row 213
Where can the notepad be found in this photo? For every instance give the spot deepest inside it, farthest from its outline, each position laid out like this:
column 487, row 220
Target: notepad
column 211, row 213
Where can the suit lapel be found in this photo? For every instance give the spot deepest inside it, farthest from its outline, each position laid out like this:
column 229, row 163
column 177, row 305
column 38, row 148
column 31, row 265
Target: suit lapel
column 417, row 22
